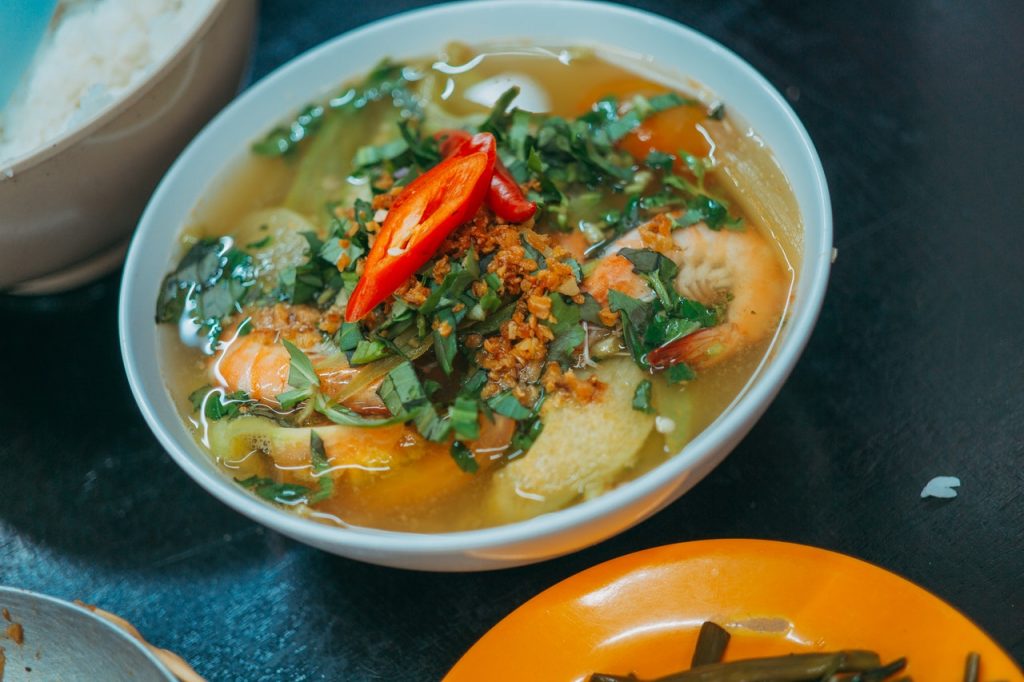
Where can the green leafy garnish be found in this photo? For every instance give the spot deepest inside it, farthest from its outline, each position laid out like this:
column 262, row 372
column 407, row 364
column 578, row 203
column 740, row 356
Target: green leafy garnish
column 526, row 433
column 318, row 458
column 339, row 414
column 216, row 404
column 348, row 336
column 288, row 494
column 463, row 457
column 368, row 351
column 259, row 244
column 679, row 373
column 507, row 404
column 642, row 397
column 464, row 414
column 402, row 392
column 300, row 371
column 635, row 315
column 213, row 280
column 566, row 327
column 301, row 377
column 445, row 344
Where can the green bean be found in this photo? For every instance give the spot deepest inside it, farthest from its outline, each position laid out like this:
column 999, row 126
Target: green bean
column 971, row 667
column 792, row 668
column 711, row 643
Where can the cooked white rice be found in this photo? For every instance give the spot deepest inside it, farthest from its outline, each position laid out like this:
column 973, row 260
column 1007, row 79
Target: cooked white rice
column 98, row 50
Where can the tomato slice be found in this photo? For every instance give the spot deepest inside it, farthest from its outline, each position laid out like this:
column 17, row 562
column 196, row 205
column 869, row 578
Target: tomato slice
column 420, row 218
column 504, row 197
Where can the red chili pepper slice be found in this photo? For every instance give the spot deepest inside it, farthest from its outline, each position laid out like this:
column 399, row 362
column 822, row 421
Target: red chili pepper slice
column 420, row 218
column 504, row 197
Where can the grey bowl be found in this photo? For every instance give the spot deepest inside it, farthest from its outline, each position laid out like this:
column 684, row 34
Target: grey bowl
column 64, row 642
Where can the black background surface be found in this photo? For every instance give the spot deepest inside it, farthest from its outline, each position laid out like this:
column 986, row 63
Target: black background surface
column 915, row 370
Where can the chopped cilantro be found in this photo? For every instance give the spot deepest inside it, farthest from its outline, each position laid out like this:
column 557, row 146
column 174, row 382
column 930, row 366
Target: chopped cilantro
column 300, row 372
column 368, row 351
column 679, row 373
column 216, row 404
column 566, row 327
column 260, row 243
column 464, row 414
column 213, row 280
column 526, row 433
column 320, row 465
column 445, row 344
column 348, row 336
column 463, row 457
column 508, row 405
column 339, row 414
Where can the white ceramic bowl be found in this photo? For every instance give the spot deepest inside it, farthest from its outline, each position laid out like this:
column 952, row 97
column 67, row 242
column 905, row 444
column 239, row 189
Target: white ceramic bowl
column 67, row 208
column 226, row 139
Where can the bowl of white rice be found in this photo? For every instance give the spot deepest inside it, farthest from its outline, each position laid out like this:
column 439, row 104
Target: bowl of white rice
column 114, row 92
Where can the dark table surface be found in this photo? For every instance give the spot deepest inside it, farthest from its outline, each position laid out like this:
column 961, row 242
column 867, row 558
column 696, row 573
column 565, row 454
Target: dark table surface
column 915, row 370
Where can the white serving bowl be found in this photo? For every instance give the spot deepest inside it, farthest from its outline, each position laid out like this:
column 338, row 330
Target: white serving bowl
column 67, row 208
column 226, row 140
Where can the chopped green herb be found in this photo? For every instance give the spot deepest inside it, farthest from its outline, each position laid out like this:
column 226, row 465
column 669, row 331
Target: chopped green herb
column 474, row 384
column 642, row 397
column 495, row 320
column 635, row 315
column 508, row 405
column 368, row 351
column 526, row 433
column 283, row 140
column 463, row 457
column 374, row 154
column 660, row 161
column 431, row 426
column 565, row 325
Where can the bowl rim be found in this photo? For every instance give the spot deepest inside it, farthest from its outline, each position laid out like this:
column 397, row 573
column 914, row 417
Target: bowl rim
column 108, row 112
column 85, row 613
column 815, row 269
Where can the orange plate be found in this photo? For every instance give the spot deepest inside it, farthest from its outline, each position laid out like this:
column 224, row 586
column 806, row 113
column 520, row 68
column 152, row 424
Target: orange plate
column 641, row 613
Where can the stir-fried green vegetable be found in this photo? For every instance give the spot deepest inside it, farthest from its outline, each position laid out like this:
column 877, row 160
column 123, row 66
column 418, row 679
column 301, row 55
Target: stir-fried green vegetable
column 851, row 666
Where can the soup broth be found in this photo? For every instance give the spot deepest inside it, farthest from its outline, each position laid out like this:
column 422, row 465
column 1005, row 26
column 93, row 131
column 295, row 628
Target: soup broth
column 663, row 295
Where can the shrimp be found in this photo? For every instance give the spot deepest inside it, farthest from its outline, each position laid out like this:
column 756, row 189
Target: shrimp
column 258, row 363
column 740, row 269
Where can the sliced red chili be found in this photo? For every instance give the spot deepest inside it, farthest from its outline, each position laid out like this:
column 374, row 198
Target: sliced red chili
column 505, row 197
column 420, row 218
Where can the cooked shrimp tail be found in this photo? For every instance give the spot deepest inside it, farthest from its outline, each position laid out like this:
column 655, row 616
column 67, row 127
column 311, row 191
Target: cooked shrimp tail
column 699, row 350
